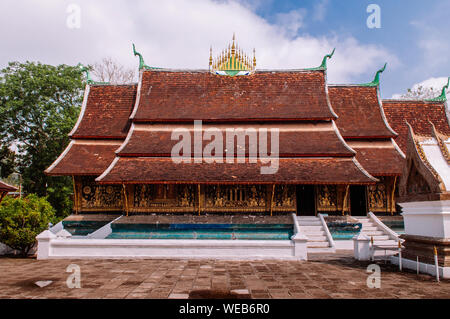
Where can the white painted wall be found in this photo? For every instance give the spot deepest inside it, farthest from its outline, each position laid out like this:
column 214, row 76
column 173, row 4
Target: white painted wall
column 431, row 219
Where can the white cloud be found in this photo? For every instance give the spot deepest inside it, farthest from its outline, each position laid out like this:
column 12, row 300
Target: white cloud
column 291, row 21
column 176, row 33
column 432, row 87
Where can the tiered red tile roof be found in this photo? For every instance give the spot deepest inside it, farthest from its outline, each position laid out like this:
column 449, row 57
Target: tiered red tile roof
column 360, row 112
column 311, row 148
column 418, row 114
column 106, row 112
column 362, row 120
column 101, row 128
column 265, row 95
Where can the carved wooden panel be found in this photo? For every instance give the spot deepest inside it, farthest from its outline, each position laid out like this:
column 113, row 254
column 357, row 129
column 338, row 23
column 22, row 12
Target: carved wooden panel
column 235, row 198
column 164, row 196
column 326, row 198
column 377, row 196
column 100, row 197
column 284, row 198
column 416, row 184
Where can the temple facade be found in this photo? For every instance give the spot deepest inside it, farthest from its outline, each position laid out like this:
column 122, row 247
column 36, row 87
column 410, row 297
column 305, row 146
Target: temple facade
column 340, row 148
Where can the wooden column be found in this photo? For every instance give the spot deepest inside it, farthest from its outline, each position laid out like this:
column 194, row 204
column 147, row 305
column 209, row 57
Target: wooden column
column 344, row 203
column 392, row 196
column 199, row 199
column 125, row 198
column 75, row 196
column 271, row 201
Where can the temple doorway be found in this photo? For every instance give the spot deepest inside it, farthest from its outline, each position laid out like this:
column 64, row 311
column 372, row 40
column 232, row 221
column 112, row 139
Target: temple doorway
column 358, row 200
column 306, row 200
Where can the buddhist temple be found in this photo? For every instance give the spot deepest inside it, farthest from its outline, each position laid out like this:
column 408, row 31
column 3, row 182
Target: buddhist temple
column 336, row 149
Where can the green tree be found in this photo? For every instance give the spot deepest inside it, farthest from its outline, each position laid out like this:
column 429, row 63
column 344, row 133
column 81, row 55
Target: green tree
column 40, row 104
column 7, row 162
column 22, row 219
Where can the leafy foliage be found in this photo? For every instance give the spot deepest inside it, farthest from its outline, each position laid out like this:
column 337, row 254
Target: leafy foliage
column 7, row 162
column 39, row 105
column 22, row 219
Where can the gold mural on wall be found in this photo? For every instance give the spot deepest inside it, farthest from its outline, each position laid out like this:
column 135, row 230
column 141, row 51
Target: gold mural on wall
column 326, row 198
column 377, row 196
column 284, row 198
column 235, row 197
column 163, row 195
column 100, row 197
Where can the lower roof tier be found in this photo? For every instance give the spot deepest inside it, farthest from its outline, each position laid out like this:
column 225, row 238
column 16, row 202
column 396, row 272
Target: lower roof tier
column 288, row 171
column 288, row 139
column 84, row 157
column 379, row 158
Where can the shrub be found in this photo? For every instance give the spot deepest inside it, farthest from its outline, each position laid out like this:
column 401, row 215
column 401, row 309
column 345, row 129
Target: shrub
column 22, row 219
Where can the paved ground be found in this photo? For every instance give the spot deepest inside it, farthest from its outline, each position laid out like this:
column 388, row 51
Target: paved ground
column 337, row 276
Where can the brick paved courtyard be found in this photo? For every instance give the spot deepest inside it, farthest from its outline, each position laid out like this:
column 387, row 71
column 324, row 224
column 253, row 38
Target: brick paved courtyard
column 337, row 276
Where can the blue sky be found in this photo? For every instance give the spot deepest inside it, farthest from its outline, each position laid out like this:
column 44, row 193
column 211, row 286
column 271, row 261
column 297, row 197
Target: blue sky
column 417, row 32
column 413, row 37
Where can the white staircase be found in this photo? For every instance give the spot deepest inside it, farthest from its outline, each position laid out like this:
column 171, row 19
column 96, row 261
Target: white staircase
column 382, row 237
column 313, row 228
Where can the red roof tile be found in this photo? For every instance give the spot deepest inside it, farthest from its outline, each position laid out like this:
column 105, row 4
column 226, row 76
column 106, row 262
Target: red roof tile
column 84, row 158
column 294, row 140
column 106, row 112
column 200, row 95
column 6, row 188
column 359, row 111
column 418, row 114
column 291, row 170
column 380, row 161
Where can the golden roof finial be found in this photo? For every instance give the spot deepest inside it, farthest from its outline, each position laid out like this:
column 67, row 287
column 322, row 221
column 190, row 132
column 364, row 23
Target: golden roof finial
column 254, row 58
column 232, row 59
column 210, row 58
column 233, row 47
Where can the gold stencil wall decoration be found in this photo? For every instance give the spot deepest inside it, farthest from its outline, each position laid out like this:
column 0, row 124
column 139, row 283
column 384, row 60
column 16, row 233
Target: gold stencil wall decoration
column 235, row 196
column 100, row 197
column 377, row 196
column 326, row 198
column 284, row 198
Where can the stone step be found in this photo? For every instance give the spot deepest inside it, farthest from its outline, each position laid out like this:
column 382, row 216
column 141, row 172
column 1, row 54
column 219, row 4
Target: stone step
column 309, row 229
column 369, row 228
column 372, row 232
column 310, row 223
column 380, row 237
column 316, row 237
column 317, row 244
column 300, row 219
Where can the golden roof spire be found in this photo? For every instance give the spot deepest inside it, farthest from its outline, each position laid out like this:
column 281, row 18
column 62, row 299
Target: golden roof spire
column 232, row 60
column 210, row 58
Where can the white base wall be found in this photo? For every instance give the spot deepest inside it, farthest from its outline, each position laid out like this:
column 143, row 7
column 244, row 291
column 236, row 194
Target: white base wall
column 429, row 219
column 65, row 248
column 444, row 272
